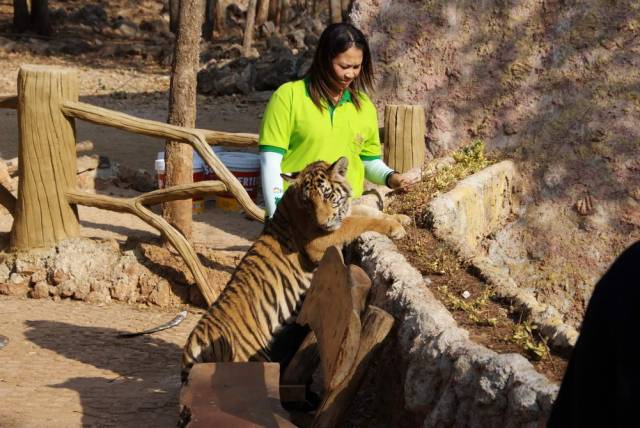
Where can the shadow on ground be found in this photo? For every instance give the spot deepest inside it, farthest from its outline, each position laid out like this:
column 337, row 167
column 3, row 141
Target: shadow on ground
column 142, row 389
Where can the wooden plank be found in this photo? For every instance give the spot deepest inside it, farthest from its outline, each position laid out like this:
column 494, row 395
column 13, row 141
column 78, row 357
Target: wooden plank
column 385, row 136
column 390, row 131
column 331, row 308
column 418, row 148
column 407, row 140
column 399, row 158
column 239, row 395
column 304, row 362
column 376, row 326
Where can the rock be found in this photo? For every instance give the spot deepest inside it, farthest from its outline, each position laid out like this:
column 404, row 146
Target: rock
column 125, row 28
column 38, row 276
column 154, row 26
column 68, row 288
column 16, row 278
column 267, row 29
column 82, row 291
column 59, row 276
column 161, row 296
column 77, row 47
column 90, row 14
column 275, row 68
column 297, row 39
column 5, row 272
column 87, row 162
column 40, row 290
column 16, row 290
column 311, row 40
column 26, row 267
column 54, row 291
column 98, row 298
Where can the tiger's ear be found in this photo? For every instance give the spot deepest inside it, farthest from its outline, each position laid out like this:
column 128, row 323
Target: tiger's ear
column 290, row 178
column 340, row 166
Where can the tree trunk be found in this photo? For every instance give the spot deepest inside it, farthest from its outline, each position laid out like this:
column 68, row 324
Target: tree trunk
column 404, row 129
column 335, row 11
column 209, row 19
column 40, row 16
column 47, row 158
column 273, row 10
column 345, row 5
column 263, row 12
column 248, row 29
column 220, row 23
column 182, row 110
column 21, row 15
column 174, row 15
column 285, row 11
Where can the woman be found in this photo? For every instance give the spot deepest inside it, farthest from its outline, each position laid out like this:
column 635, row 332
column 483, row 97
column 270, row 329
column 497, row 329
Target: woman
column 327, row 115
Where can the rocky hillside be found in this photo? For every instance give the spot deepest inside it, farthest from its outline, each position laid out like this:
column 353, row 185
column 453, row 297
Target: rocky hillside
column 555, row 86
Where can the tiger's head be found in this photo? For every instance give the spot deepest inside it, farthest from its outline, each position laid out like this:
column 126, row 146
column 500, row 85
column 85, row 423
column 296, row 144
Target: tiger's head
column 323, row 191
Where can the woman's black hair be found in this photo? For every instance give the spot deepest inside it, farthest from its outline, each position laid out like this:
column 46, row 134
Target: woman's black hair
column 334, row 40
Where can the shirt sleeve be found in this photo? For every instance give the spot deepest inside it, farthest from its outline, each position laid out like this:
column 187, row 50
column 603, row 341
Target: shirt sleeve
column 275, row 130
column 371, row 149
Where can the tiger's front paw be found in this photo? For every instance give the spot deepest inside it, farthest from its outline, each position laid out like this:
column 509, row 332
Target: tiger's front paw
column 397, row 231
column 404, row 220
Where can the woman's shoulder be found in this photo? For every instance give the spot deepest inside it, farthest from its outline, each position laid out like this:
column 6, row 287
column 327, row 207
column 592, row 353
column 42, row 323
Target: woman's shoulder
column 365, row 101
column 290, row 89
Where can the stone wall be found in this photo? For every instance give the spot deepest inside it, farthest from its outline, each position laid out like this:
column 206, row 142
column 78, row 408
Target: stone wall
column 436, row 375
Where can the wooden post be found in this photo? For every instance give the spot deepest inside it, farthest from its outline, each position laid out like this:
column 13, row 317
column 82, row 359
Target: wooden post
column 47, row 153
column 404, row 130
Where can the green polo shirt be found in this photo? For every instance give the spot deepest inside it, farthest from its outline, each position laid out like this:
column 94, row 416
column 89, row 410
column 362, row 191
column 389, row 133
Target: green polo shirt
column 293, row 126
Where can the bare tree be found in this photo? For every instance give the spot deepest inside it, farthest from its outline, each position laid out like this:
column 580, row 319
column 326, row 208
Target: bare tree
column 40, row 16
column 345, row 6
column 31, row 15
column 248, row 29
column 262, row 13
column 174, row 15
column 335, row 9
column 182, row 109
column 21, row 15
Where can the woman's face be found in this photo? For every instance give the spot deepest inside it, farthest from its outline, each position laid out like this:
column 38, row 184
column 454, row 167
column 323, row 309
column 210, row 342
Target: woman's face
column 347, row 66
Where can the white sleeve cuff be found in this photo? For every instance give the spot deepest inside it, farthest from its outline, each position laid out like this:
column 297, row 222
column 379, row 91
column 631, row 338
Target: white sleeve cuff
column 376, row 171
column 272, row 183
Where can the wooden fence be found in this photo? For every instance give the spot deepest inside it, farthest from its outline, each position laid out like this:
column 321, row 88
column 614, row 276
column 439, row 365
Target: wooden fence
column 44, row 211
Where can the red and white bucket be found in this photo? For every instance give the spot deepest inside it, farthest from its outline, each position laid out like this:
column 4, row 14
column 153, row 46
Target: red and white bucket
column 198, row 175
column 246, row 168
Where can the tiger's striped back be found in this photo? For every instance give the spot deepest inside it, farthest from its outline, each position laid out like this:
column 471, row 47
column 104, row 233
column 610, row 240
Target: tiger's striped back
column 267, row 288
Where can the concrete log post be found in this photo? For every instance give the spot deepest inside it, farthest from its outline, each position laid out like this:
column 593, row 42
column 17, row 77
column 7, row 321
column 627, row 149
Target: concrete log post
column 47, row 158
column 404, row 129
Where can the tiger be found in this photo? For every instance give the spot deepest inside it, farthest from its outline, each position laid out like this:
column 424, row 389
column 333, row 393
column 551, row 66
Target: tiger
column 266, row 290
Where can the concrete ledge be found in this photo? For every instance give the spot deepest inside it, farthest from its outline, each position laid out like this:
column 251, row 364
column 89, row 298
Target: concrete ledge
column 478, row 206
column 447, row 379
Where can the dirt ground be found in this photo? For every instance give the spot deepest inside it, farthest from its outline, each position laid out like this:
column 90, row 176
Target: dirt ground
column 65, row 367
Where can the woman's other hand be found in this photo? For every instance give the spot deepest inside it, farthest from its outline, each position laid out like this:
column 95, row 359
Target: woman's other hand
column 405, row 181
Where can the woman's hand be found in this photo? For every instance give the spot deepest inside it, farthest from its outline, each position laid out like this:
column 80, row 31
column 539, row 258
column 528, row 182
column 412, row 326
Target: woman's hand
column 405, row 181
